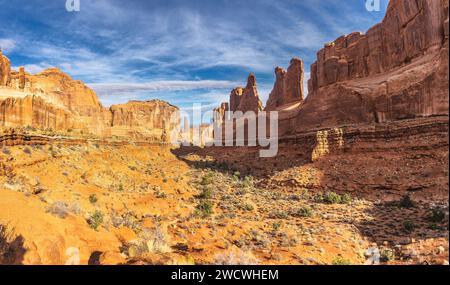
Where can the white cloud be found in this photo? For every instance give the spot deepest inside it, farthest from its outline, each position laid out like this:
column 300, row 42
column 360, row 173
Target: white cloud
column 7, row 45
column 114, row 88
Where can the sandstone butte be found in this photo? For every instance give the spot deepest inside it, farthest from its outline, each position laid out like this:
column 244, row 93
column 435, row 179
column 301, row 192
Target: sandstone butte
column 52, row 100
column 397, row 70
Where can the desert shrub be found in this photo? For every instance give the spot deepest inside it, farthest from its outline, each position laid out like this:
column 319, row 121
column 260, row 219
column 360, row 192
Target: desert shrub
column 120, row 188
column 346, row 198
column 206, row 193
column 95, row 220
column 59, row 209
column 207, row 179
column 161, row 194
column 436, row 216
column 387, row 255
column 341, row 261
column 279, row 215
column 247, row 207
column 150, row 241
column 332, row 198
column 93, row 199
column 237, row 257
column 407, row 202
column 6, row 151
column 409, row 226
column 27, row 150
column 205, row 209
column 304, row 211
column 276, row 226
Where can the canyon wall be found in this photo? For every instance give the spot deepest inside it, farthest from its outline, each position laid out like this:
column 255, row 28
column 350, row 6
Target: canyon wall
column 397, row 70
column 52, row 100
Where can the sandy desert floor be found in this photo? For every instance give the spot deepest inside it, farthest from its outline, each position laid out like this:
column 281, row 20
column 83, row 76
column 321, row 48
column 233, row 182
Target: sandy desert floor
column 102, row 204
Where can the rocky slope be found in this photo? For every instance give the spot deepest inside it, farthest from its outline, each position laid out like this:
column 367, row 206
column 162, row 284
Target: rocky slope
column 52, row 100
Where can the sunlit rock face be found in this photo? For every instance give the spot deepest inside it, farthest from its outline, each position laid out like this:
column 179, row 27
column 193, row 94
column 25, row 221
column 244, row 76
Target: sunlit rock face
column 288, row 86
column 52, row 100
column 249, row 100
column 151, row 119
column 5, row 69
column 397, row 70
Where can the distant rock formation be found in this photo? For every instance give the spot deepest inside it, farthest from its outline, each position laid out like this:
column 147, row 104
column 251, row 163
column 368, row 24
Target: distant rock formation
column 397, row 70
column 52, row 100
column 249, row 101
column 5, row 69
column 235, row 98
column 288, row 86
column 220, row 113
column 142, row 119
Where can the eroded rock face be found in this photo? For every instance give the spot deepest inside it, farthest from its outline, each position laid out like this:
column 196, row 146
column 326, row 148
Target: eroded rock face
column 5, row 69
column 410, row 29
column 52, row 100
column 151, row 119
column 220, row 113
column 250, row 99
column 397, row 70
column 235, row 98
column 288, row 86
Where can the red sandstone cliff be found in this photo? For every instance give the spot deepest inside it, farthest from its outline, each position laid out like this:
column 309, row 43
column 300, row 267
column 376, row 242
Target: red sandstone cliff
column 53, row 100
column 397, row 70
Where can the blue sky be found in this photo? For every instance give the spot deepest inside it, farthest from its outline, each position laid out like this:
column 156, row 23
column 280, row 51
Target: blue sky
column 182, row 51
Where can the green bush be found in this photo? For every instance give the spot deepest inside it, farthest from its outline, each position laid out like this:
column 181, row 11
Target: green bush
column 408, row 226
column 332, row 198
column 205, row 209
column 96, row 220
column 407, row 202
column 436, row 216
column 206, row 193
column 305, row 212
column 93, row 199
column 341, row 261
column 387, row 255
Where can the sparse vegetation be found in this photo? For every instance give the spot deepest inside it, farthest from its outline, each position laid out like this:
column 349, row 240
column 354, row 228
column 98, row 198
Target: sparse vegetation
column 93, row 199
column 333, row 198
column 409, row 226
column 407, row 202
column 304, row 211
column 387, row 255
column 341, row 261
column 59, row 209
column 436, row 216
column 205, row 208
column 95, row 220
column 236, row 258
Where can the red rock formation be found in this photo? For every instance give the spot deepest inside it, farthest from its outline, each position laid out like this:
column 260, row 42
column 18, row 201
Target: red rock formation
column 220, row 113
column 250, row 99
column 53, row 100
column 288, row 86
column 149, row 119
column 5, row 70
column 235, row 98
column 397, row 70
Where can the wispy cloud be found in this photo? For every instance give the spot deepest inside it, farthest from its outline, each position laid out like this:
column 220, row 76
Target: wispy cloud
column 7, row 45
column 195, row 50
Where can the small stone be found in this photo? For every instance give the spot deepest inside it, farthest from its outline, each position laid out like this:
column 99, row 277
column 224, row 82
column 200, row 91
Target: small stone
column 440, row 250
